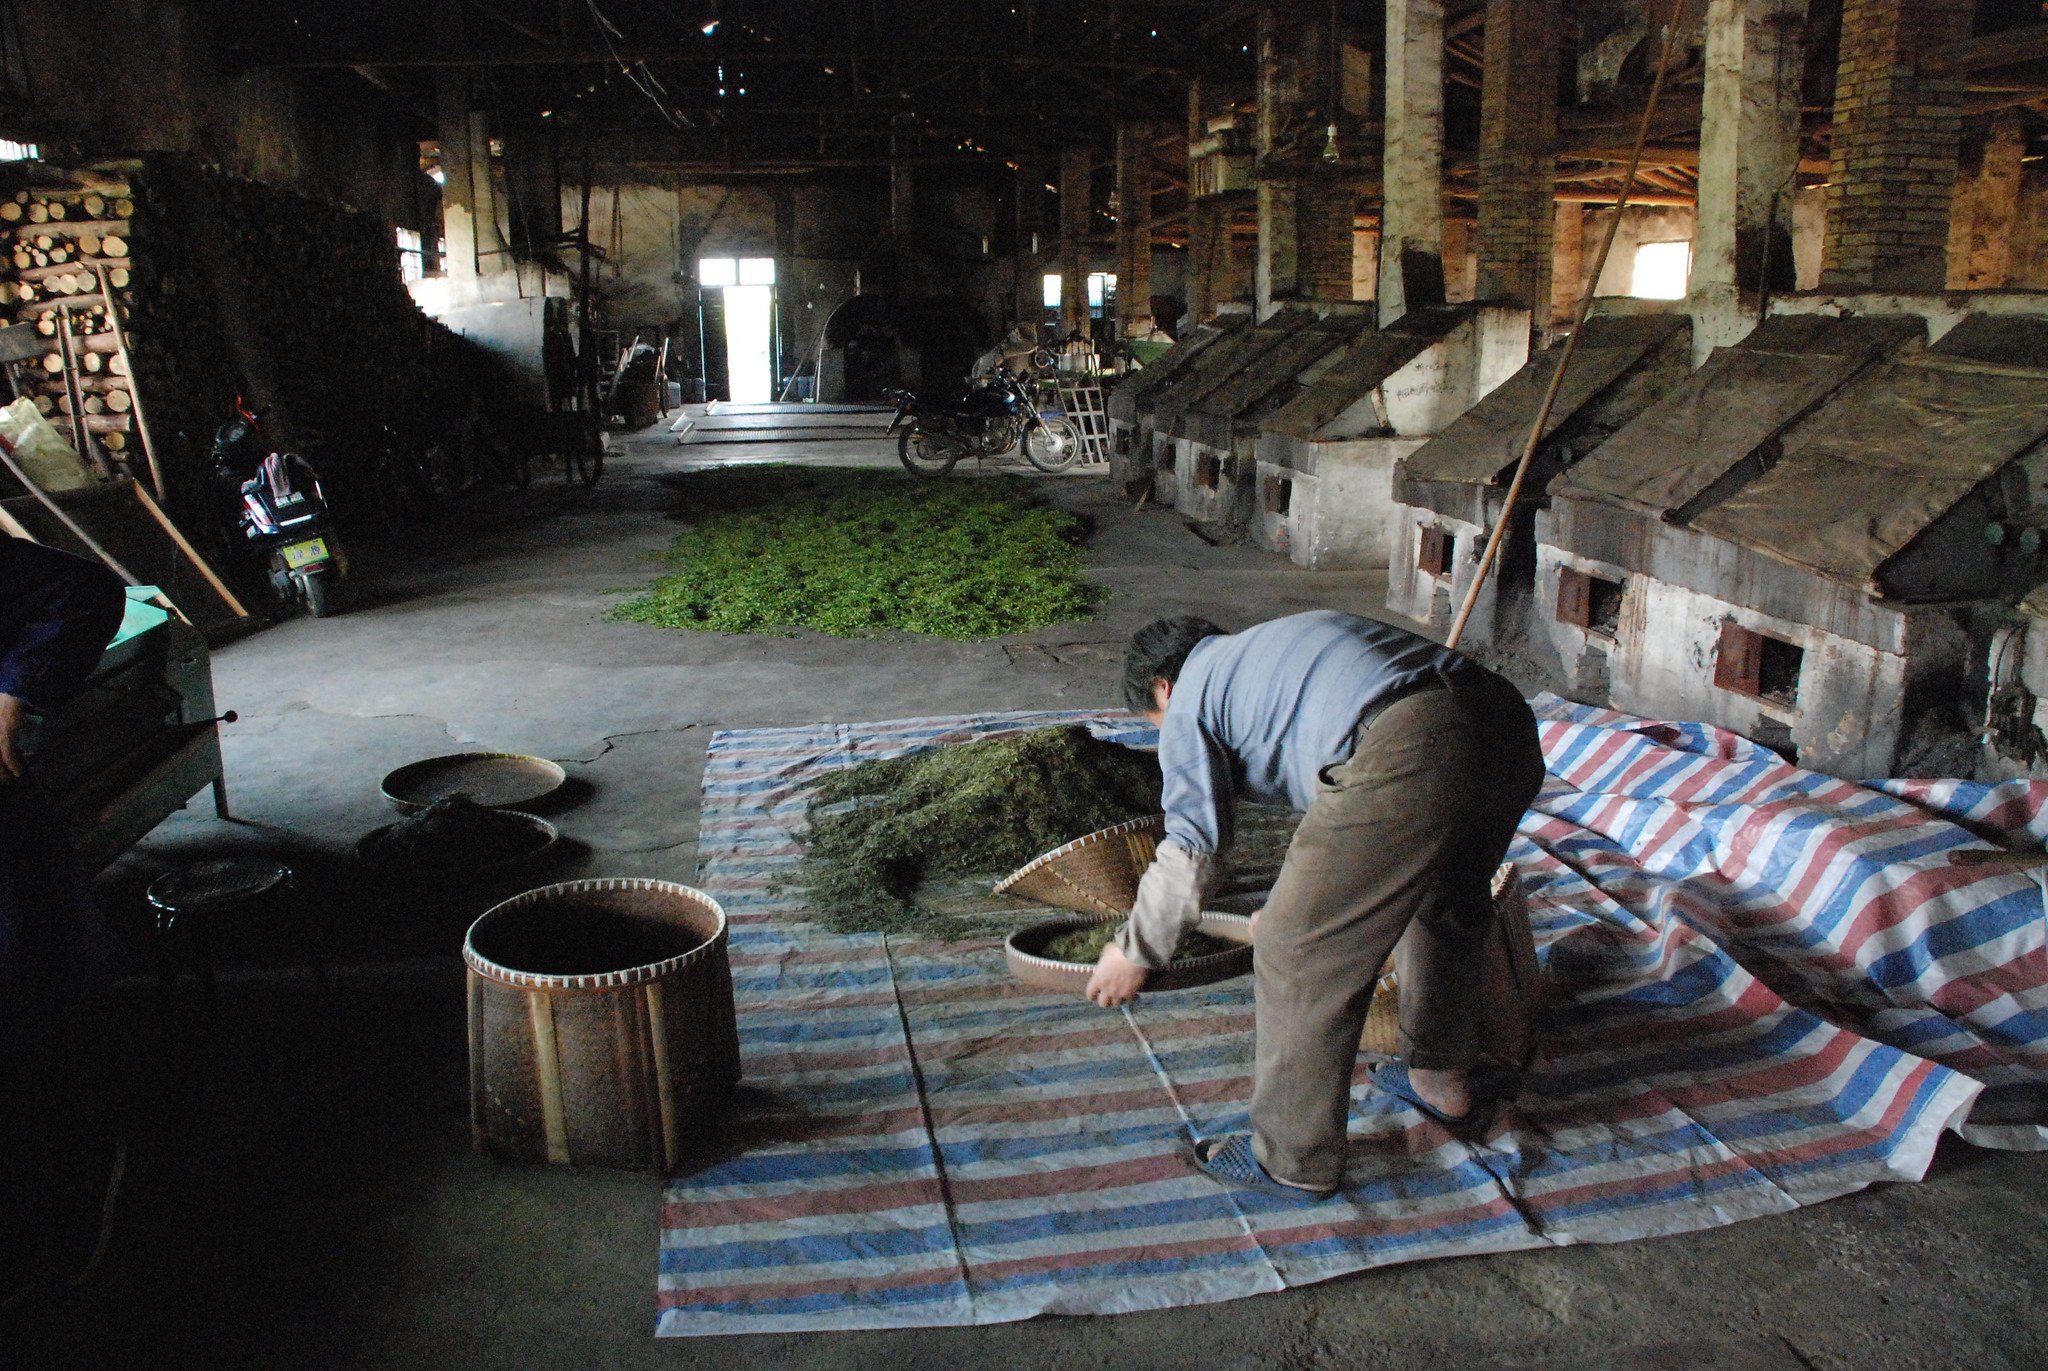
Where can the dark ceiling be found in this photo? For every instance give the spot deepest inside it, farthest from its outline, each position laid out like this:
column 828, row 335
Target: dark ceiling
column 784, row 81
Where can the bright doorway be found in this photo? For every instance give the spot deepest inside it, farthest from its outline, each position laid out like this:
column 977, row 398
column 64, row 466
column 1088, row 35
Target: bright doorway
column 738, row 317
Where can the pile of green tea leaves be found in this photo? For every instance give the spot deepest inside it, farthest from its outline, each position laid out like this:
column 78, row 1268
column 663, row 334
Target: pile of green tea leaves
column 881, row 829
column 1086, row 944
column 770, row 549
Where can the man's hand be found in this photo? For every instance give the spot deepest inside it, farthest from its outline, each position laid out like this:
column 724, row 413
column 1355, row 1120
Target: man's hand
column 13, row 724
column 1117, row 979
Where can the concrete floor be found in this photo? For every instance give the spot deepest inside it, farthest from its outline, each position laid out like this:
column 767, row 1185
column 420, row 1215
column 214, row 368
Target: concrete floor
column 301, row 1191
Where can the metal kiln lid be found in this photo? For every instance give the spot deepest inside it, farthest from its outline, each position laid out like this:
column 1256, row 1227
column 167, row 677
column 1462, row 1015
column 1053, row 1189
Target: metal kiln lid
column 1745, row 395
column 1894, row 450
column 1483, row 442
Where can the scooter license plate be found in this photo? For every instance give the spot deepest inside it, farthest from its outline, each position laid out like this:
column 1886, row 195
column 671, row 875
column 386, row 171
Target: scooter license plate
column 299, row 556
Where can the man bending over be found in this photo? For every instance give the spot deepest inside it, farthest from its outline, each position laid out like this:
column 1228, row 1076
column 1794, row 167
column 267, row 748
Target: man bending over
column 1413, row 766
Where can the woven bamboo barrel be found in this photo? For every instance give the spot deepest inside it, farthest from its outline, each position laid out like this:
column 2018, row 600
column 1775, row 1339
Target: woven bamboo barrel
column 601, row 1025
column 1510, row 1000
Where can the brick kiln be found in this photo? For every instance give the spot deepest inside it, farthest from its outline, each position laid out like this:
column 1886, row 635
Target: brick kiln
column 1162, row 416
column 1216, row 469
column 1448, row 493
column 1325, row 458
column 1812, row 540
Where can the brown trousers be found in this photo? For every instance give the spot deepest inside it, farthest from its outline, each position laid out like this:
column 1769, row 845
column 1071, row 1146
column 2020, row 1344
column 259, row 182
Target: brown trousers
column 1409, row 831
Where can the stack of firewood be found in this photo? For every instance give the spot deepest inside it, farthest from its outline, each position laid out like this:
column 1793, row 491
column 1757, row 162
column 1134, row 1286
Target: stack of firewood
column 306, row 293
column 224, row 287
column 60, row 247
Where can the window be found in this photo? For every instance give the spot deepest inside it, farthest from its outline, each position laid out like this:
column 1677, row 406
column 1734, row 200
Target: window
column 1052, row 290
column 1279, row 494
column 713, row 272
column 11, row 151
column 1101, row 292
column 1208, row 471
column 412, row 255
column 1591, row 602
column 1169, row 458
column 1661, row 271
column 1751, row 663
column 1435, row 552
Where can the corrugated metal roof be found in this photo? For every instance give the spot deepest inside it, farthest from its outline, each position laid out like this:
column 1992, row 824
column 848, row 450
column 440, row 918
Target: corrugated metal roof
column 1895, row 450
column 1364, row 368
column 1690, row 438
column 1221, row 362
column 1482, row 443
column 1179, row 358
column 1255, row 382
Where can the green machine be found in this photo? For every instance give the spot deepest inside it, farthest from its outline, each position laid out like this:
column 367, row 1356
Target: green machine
column 139, row 740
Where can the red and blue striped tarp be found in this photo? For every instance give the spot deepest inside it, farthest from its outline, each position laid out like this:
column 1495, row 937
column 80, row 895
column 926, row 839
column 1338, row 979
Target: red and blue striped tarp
column 1770, row 988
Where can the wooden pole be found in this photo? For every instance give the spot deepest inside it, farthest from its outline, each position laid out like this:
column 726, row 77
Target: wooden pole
column 1571, row 343
column 81, row 435
column 156, row 473
column 176, row 535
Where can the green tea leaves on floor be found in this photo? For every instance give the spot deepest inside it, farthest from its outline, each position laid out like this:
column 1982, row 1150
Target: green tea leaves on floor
column 853, row 553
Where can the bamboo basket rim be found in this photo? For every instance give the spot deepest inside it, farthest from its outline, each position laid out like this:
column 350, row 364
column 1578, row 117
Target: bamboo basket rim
column 542, row 769
column 1100, row 835
column 625, row 977
column 1179, row 975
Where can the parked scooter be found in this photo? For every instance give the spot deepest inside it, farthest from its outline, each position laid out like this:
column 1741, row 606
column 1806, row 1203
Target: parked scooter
column 282, row 513
column 990, row 418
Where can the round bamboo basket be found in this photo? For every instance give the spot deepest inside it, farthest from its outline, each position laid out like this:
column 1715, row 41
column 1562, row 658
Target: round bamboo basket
column 1021, row 953
column 1096, row 874
column 601, row 1024
column 1510, row 1000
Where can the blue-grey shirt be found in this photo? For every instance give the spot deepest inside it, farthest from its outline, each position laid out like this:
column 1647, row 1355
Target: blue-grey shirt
column 1260, row 713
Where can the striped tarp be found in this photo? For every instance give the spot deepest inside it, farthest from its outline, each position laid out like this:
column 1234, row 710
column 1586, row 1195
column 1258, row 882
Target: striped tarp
column 1770, row 989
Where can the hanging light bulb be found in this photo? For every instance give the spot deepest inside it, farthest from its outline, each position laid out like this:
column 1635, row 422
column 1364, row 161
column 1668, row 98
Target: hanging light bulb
column 710, row 24
column 1330, row 152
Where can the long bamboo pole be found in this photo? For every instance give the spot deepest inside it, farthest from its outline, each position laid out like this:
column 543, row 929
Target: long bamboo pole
column 113, row 565
column 177, row 536
column 74, row 394
column 1571, row 343
column 156, row 472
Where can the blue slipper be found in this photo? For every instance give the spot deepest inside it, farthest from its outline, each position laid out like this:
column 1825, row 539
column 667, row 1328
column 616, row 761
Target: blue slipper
column 1230, row 1159
column 1393, row 1078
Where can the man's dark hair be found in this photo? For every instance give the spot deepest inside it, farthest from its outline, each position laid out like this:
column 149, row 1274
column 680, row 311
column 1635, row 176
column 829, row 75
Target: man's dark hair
column 1157, row 652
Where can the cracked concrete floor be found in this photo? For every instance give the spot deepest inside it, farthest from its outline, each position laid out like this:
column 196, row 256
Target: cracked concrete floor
column 301, row 1191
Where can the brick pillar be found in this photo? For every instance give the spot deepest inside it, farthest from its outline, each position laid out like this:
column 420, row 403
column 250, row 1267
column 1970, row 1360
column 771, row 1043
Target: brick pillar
column 1077, row 212
column 1749, row 151
column 1276, row 275
column 1568, row 263
column 1030, row 207
column 458, row 196
column 1134, row 225
column 1517, row 164
column 1986, row 225
column 1204, row 245
column 903, row 226
column 1412, row 220
column 1895, row 143
column 1326, row 223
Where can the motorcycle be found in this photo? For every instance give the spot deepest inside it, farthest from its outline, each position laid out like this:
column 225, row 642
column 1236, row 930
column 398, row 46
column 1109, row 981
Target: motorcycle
column 992, row 417
column 281, row 513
